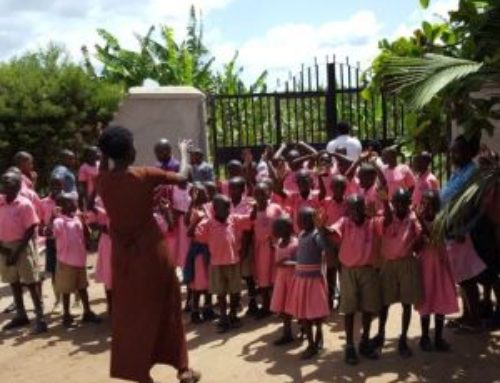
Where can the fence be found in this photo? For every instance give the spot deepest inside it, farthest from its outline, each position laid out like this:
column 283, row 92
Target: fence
column 307, row 107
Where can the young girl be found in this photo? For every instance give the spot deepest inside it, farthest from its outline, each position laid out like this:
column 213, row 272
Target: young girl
column 264, row 256
column 71, row 273
column 103, row 265
column 439, row 293
column 196, row 270
column 234, row 169
column 425, row 180
column 87, row 173
column 285, row 253
column 396, row 175
column 309, row 293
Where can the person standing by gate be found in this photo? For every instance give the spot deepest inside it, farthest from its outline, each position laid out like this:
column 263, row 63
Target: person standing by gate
column 345, row 141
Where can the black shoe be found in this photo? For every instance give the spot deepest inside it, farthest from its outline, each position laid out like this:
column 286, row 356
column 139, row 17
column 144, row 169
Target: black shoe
column 187, row 307
column 486, row 309
column 351, row 357
column 403, row 349
column 196, row 318
column 208, row 314
column 17, row 322
column 285, row 339
column 263, row 314
column 68, row 321
column 40, row 327
column 367, row 350
column 441, row 345
column 378, row 341
column 223, row 325
column 90, row 317
column 234, row 321
column 425, row 344
column 253, row 309
column 309, row 353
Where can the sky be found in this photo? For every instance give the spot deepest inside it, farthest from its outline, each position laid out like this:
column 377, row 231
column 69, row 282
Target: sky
column 273, row 35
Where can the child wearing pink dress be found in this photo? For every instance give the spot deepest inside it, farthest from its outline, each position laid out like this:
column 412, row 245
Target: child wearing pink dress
column 196, row 270
column 396, row 175
column 285, row 252
column 88, row 171
column 181, row 200
column 309, row 292
column 424, row 180
column 264, row 263
column 439, row 292
column 103, row 267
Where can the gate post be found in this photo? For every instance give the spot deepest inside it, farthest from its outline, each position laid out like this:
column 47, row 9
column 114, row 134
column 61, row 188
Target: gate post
column 277, row 118
column 331, row 102
column 212, row 123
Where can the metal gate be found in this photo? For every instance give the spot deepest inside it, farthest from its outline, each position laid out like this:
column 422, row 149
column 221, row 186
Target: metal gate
column 308, row 108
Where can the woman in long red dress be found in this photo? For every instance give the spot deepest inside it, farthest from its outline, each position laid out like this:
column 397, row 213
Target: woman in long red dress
column 147, row 326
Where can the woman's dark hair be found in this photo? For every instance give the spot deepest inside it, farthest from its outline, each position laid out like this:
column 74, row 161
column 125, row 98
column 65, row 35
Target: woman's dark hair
column 116, row 142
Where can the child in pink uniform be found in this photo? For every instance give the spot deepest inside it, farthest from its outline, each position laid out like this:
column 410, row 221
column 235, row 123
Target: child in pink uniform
column 103, row 267
column 196, row 271
column 234, row 169
column 439, row 292
column 396, row 175
column 334, row 208
column 242, row 205
column 71, row 274
column 285, row 251
column 180, row 205
column 309, row 293
column 87, row 173
column 425, row 180
column 359, row 280
column 400, row 273
column 49, row 213
column 18, row 259
column 219, row 233
column 267, row 213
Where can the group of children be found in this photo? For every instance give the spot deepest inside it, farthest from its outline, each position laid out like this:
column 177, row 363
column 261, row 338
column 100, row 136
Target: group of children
column 288, row 226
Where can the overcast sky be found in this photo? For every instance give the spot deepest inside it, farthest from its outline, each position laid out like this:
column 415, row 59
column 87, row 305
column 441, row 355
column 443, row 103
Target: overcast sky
column 278, row 35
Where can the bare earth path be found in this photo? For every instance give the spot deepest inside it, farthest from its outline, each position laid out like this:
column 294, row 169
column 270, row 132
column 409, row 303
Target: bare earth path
column 81, row 355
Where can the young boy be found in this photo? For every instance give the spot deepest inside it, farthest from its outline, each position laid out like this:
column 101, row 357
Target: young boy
column 359, row 280
column 163, row 153
column 425, row 180
column 18, row 258
column 219, row 233
column 70, row 234
column 400, row 272
column 24, row 161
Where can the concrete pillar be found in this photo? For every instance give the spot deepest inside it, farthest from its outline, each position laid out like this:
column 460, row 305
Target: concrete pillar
column 168, row 112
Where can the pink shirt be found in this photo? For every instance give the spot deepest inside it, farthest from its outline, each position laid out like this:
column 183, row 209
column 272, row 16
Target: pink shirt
column 263, row 224
column 290, row 182
column 374, row 206
column 181, row 199
column 424, row 182
column 224, row 187
column 88, row 174
column 221, row 238
column 398, row 239
column 399, row 177
column 33, row 197
column 334, row 210
column 287, row 253
column 16, row 218
column 296, row 202
column 243, row 208
column 48, row 206
column 70, row 241
column 26, row 182
column 357, row 242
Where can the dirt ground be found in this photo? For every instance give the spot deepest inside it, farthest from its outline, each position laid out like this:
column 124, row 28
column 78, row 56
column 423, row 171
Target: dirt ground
column 81, row 355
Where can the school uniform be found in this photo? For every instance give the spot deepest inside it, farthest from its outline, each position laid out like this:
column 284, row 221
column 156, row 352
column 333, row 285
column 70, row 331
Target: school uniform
column 245, row 207
column 400, row 272
column 295, row 202
column 285, row 259
column 15, row 218
column 71, row 272
column 359, row 280
column 48, row 206
column 225, row 269
column 424, row 182
column 264, row 264
column 196, row 270
column 88, row 174
column 399, row 177
column 103, row 266
column 309, row 291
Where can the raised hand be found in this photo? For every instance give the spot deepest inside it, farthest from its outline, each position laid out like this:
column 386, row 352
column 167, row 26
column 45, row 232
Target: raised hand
column 184, row 145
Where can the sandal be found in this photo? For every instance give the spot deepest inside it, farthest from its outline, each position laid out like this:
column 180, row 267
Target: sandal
column 40, row 327
column 189, row 376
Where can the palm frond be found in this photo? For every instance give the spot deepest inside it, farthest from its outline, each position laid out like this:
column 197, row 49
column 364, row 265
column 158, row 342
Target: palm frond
column 418, row 80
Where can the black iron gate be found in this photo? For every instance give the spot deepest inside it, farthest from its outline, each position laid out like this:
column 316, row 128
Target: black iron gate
column 307, row 108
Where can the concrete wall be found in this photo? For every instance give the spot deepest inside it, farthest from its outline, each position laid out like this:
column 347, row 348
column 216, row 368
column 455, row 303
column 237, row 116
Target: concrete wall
column 152, row 113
